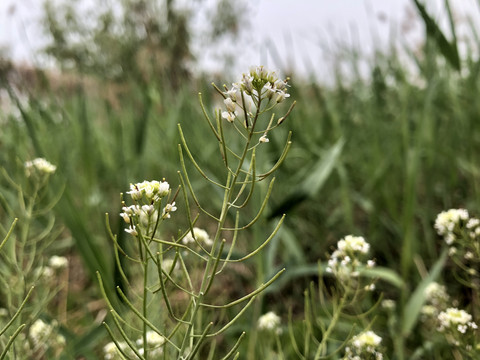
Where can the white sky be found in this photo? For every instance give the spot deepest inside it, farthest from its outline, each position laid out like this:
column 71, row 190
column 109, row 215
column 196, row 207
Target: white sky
column 303, row 32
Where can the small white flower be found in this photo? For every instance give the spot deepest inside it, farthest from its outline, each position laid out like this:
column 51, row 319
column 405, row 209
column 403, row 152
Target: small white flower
column 281, row 96
column 388, row 304
column 446, row 221
column 41, row 165
column 230, row 105
column 232, row 93
column 353, row 244
column 452, row 317
column 168, row 209
column 269, row 321
column 436, row 294
column 132, row 230
column 472, row 223
column 263, row 139
column 40, row 331
column 199, row 234
column 58, row 262
column 229, row 116
column 370, row 263
column 367, row 340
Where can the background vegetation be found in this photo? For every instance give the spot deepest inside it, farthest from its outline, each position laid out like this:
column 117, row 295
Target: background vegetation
column 378, row 156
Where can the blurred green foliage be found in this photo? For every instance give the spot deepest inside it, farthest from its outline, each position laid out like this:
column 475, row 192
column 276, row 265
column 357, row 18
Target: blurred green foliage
column 379, row 156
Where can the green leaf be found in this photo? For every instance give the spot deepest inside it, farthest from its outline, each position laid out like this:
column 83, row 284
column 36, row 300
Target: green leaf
column 416, row 301
column 448, row 50
column 385, row 274
column 315, row 180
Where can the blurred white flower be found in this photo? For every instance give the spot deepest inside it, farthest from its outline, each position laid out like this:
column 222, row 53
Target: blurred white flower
column 58, row 262
column 41, row 165
column 269, row 321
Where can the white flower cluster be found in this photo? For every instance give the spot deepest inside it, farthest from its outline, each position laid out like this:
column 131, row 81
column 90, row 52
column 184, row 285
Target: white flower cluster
column 154, row 347
column 364, row 345
column 455, row 319
column 40, row 165
column 58, row 262
column 153, row 190
column 436, row 300
column 43, row 335
column 257, row 84
column 269, row 322
column 154, row 344
column 345, row 262
column 448, row 223
column 146, row 216
column 200, row 235
column 473, row 226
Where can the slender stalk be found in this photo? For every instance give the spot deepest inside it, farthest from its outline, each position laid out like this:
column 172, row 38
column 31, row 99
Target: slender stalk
column 321, row 350
column 145, row 307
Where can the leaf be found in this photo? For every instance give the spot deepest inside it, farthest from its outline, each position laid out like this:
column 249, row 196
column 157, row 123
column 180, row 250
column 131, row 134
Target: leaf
column 312, row 184
column 385, row 274
column 448, row 50
column 412, row 309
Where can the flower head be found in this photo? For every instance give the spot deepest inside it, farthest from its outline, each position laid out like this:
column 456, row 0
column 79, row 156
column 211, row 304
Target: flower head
column 58, row 262
column 269, row 321
column 448, row 221
column 200, row 235
column 453, row 317
column 40, row 165
column 364, row 345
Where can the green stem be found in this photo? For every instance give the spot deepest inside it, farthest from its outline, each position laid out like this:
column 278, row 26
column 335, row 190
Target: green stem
column 231, row 182
column 336, row 315
column 145, row 303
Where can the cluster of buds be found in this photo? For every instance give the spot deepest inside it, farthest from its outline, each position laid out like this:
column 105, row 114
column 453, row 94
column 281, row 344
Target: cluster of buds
column 346, row 261
column 255, row 86
column 364, row 346
column 144, row 213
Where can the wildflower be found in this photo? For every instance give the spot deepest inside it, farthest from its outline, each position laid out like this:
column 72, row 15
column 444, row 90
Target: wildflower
column 436, row 294
column 448, row 221
column 353, row 244
column 281, row 96
column 153, row 190
column 111, row 352
column 45, row 272
column 269, row 321
column 168, row 209
column 154, row 343
column 40, row 332
column 41, row 165
column 229, row 116
column 429, row 311
column 132, row 230
column 388, row 304
column 364, row 345
column 200, row 235
column 453, row 317
column 230, row 105
column 58, row 262
column 263, row 139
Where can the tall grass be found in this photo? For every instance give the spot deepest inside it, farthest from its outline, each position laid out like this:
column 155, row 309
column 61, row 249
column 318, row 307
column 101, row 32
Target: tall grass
column 378, row 157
